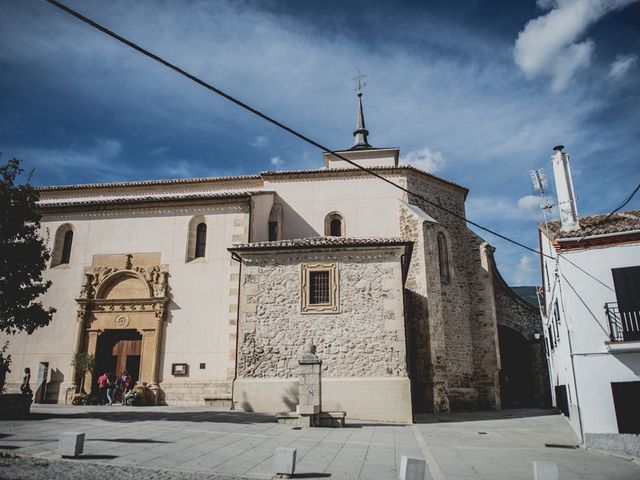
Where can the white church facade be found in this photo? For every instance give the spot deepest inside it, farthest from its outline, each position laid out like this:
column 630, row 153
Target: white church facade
column 209, row 288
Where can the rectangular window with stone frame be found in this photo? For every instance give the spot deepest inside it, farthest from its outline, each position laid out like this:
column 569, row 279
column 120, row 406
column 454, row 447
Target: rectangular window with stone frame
column 319, row 292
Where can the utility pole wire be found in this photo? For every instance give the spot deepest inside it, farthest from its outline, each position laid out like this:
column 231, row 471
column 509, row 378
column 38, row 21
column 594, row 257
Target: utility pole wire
column 271, row 120
column 278, row 124
column 619, row 207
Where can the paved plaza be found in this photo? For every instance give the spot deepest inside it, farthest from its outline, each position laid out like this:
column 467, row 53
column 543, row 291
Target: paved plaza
column 171, row 442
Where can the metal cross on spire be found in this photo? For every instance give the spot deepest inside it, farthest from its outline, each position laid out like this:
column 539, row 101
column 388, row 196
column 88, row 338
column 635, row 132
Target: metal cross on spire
column 359, row 78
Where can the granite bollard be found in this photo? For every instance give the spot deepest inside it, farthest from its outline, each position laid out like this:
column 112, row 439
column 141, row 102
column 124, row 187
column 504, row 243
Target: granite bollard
column 412, row 468
column 71, row 444
column 545, row 471
column 284, row 462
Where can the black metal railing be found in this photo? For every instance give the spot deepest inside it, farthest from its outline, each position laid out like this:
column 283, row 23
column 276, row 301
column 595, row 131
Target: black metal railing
column 624, row 326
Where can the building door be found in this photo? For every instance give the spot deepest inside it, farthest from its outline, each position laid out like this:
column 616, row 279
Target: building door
column 119, row 350
column 516, row 374
column 627, row 284
column 626, row 398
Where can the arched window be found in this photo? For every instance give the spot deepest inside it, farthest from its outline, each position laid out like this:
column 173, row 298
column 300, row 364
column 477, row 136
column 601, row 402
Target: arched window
column 443, row 258
column 334, row 225
column 201, row 240
column 62, row 245
column 196, row 238
column 66, row 247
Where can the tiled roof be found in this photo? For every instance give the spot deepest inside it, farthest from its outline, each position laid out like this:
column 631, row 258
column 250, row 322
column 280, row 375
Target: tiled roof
column 329, row 171
column 322, row 242
column 137, row 199
column 596, row 225
column 187, row 181
column 143, row 183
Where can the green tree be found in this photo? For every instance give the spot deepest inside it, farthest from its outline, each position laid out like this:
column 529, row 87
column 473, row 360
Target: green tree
column 83, row 363
column 23, row 255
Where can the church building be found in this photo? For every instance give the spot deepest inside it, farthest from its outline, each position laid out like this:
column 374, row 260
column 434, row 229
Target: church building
column 208, row 289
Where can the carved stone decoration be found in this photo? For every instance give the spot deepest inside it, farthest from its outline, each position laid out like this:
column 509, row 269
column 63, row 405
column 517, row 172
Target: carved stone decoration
column 121, row 321
column 87, row 290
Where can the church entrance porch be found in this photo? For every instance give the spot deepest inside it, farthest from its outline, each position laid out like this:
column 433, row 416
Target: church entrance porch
column 121, row 311
column 119, row 350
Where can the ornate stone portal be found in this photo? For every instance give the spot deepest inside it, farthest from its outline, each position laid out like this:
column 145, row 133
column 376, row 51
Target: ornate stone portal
column 124, row 292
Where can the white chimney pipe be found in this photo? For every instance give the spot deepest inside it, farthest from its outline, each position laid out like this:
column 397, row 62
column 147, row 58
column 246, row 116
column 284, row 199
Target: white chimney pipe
column 564, row 190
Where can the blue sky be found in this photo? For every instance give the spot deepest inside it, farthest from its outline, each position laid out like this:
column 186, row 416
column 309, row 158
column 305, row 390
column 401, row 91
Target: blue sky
column 475, row 91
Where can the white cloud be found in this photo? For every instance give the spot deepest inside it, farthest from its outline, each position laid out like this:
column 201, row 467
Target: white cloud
column 100, row 160
column 276, row 161
column 526, row 272
column 425, row 159
column 622, row 64
column 550, row 44
column 259, row 141
column 494, row 207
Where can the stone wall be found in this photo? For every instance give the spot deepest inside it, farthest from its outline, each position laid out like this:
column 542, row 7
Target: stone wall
column 366, row 337
column 362, row 347
column 454, row 321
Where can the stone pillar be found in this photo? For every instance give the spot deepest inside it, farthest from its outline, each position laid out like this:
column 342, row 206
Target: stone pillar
column 155, row 364
column 309, row 388
column 147, row 355
column 92, row 344
column 77, row 344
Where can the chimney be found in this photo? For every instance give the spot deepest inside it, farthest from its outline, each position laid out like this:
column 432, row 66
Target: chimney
column 564, row 190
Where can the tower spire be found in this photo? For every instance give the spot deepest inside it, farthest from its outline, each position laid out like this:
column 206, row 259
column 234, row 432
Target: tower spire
column 360, row 133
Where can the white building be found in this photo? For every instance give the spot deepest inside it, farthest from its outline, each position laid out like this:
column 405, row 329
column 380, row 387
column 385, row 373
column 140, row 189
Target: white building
column 209, row 288
column 591, row 276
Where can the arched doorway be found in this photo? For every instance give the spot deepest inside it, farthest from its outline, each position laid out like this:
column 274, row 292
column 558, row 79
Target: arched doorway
column 516, row 374
column 120, row 317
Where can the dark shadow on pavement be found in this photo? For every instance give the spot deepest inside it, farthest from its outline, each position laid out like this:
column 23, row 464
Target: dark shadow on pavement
column 311, row 475
column 127, row 440
column 96, row 457
column 483, row 415
column 8, row 447
column 148, row 414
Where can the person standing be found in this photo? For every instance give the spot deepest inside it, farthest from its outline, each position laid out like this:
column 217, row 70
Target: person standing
column 125, row 386
column 25, row 388
column 102, row 388
column 111, row 388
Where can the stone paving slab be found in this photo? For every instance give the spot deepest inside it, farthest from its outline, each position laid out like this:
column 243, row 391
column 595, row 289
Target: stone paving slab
column 214, row 443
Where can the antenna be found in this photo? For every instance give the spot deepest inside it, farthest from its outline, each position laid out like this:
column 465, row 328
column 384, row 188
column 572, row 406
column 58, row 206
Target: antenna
column 539, row 180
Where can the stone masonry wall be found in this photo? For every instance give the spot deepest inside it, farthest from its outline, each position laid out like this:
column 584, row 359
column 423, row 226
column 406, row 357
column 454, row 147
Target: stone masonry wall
column 468, row 320
column 513, row 312
column 365, row 339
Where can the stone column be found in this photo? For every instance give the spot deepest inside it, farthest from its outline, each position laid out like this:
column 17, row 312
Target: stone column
column 309, row 388
column 155, row 364
column 92, row 344
column 77, row 344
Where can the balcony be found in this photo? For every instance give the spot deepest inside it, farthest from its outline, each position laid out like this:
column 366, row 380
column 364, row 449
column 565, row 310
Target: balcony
column 623, row 327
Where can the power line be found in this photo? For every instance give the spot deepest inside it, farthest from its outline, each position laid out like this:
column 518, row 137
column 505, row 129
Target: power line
column 619, row 207
column 271, row 120
column 303, row 137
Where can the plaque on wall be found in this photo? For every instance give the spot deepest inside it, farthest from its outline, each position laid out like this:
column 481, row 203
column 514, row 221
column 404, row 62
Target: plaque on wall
column 179, row 369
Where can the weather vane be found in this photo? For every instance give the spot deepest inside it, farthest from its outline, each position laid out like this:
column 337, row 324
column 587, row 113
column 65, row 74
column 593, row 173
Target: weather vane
column 358, row 78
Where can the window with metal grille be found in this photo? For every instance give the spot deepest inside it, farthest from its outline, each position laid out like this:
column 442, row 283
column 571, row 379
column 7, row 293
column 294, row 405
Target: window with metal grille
column 201, row 240
column 319, row 287
column 66, row 247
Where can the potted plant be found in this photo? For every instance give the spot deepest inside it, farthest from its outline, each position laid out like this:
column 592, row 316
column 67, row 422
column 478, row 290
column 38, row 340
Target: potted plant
column 82, row 363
